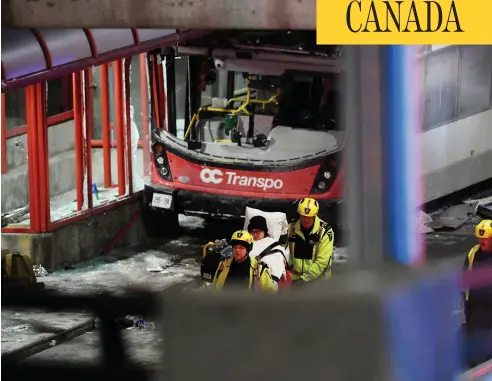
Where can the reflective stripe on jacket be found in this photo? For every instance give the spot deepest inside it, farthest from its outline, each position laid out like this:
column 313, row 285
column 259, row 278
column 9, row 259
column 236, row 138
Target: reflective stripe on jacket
column 470, row 259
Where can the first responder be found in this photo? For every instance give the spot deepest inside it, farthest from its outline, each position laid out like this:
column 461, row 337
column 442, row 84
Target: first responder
column 478, row 301
column 311, row 244
column 241, row 270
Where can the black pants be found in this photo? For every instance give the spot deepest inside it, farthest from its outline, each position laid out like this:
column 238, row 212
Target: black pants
column 478, row 345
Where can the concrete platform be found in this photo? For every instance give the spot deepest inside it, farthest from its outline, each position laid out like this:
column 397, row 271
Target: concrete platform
column 81, row 240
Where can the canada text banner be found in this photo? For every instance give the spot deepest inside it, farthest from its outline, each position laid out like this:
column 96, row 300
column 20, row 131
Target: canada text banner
column 404, row 22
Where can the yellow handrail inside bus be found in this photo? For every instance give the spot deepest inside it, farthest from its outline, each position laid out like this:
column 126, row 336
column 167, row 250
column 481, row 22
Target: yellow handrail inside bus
column 241, row 108
column 272, row 100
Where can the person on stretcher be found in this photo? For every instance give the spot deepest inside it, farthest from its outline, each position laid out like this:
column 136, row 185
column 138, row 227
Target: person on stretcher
column 269, row 251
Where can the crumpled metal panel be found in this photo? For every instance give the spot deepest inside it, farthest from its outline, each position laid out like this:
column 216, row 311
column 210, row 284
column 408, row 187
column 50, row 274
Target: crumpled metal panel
column 21, row 53
column 69, row 46
column 112, row 39
column 150, row 34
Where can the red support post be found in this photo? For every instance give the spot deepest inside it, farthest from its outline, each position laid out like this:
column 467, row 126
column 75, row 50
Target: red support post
column 89, row 119
column 128, row 62
column 105, row 125
column 155, row 92
column 41, row 156
column 162, row 95
column 164, row 101
column 144, row 105
column 32, row 170
column 120, row 123
column 4, row 136
column 78, row 135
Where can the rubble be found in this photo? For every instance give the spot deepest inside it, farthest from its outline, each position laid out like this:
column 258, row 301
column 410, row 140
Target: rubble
column 423, row 221
column 40, row 271
column 485, row 210
column 340, row 254
column 454, row 217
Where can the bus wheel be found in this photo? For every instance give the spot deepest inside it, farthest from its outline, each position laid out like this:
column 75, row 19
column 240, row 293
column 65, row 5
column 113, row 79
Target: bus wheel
column 160, row 224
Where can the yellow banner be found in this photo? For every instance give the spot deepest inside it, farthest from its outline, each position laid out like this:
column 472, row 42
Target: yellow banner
column 404, row 22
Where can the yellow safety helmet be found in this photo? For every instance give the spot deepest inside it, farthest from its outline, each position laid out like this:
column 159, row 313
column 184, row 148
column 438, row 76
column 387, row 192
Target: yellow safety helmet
column 243, row 238
column 484, row 229
column 308, row 207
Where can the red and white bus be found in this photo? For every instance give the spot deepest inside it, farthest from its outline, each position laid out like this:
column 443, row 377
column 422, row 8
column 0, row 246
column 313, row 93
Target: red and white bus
column 259, row 128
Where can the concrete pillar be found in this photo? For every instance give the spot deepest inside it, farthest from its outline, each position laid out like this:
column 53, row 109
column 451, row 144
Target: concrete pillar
column 361, row 325
column 382, row 124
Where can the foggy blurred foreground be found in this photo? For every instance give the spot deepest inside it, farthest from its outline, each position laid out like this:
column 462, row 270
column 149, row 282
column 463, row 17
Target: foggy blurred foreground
column 394, row 324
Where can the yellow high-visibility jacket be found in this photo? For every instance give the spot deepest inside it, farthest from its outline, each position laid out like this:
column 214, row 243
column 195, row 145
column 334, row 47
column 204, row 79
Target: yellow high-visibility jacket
column 259, row 276
column 310, row 257
column 469, row 265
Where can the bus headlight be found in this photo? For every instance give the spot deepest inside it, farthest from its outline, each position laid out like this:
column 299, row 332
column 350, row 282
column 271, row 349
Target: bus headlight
column 164, row 171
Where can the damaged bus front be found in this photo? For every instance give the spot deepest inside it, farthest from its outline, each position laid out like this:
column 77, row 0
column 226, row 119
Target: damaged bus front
column 259, row 128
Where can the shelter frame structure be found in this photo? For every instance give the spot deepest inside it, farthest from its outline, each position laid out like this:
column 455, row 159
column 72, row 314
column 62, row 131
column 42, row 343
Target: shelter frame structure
column 28, row 84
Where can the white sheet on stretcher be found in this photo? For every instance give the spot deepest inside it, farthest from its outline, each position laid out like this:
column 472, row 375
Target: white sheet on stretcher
column 276, row 261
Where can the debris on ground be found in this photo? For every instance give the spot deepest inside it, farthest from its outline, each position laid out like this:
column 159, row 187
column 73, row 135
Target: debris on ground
column 485, row 211
column 480, row 201
column 423, row 221
column 159, row 265
column 133, row 322
column 484, row 206
column 40, row 271
column 340, row 254
column 454, row 217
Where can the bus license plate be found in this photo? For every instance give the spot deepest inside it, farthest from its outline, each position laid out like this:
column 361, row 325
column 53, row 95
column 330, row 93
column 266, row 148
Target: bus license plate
column 163, row 201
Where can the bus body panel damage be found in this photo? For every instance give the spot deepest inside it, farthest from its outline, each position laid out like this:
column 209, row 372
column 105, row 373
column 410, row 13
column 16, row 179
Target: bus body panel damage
column 265, row 140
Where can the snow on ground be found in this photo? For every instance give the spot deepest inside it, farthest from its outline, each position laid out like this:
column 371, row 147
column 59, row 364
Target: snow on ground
column 191, row 222
column 20, row 328
column 144, row 346
column 154, row 269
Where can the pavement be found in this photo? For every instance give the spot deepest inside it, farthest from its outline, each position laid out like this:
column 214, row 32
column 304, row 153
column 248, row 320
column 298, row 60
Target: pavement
column 170, row 263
